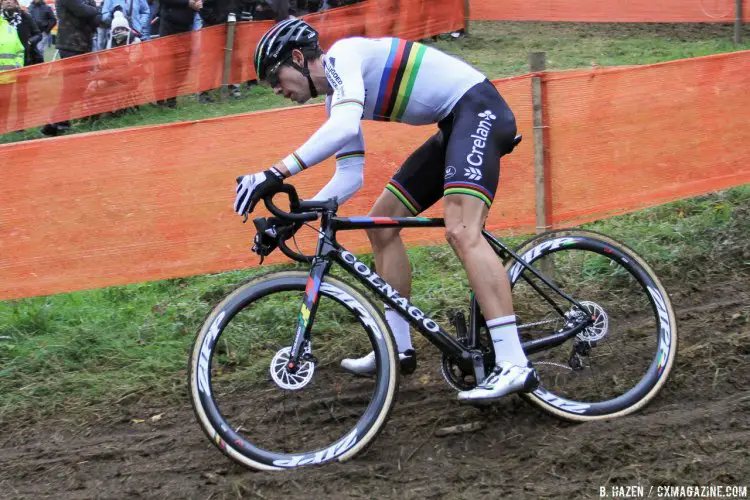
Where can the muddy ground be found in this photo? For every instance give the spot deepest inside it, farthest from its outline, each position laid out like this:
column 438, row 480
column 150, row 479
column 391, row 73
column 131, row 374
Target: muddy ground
column 697, row 431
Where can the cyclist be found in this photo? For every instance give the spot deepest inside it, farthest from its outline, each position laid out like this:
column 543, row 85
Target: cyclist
column 390, row 79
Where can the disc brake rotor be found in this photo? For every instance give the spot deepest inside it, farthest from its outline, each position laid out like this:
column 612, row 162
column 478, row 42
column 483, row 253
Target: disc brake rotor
column 291, row 378
column 599, row 329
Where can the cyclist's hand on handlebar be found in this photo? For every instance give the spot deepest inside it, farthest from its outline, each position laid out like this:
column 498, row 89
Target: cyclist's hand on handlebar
column 270, row 230
column 266, row 241
column 252, row 187
column 264, row 244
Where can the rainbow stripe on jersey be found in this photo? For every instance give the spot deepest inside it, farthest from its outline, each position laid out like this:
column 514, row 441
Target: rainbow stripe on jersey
column 398, row 79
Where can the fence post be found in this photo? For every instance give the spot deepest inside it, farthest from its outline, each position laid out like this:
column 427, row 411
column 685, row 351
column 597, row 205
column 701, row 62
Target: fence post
column 538, row 63
column 231, row 27
column 738, row 22
column 466, row 17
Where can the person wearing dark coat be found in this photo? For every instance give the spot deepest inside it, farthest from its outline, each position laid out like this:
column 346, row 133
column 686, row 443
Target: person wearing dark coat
column 176, row 16
column 45, row 19
column 276, row 10
column 43, row 15
column 78, row 20
column 212, row 13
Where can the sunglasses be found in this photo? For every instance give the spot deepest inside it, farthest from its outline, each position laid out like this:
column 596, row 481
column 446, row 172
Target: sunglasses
column 272, row 74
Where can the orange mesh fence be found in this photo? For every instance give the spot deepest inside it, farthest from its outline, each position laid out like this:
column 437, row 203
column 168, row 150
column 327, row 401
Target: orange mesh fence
column 114, row 207
column 663, row 11
column 112, row 79
column 93, row 210
column 622, row 139
column 190, row 62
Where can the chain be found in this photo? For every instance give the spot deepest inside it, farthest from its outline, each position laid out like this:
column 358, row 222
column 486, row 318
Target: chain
column 544, row 322
column 559, row 365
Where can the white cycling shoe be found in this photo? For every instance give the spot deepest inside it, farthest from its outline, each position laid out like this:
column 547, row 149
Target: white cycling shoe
column 505, row 379
column 365, row 366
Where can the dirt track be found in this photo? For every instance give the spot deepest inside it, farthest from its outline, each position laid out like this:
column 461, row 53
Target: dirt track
column 697, row 431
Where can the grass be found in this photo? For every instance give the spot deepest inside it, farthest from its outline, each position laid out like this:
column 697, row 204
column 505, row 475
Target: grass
column 501, row 49
column 72, row 351
column 78, row 349
column 498, row 49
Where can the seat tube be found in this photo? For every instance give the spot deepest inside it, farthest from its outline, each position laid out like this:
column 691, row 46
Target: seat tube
column 476, row 321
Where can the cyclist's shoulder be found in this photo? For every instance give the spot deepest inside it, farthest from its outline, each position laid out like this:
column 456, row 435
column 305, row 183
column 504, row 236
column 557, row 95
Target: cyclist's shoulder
column 358, row 46
column 346, row 46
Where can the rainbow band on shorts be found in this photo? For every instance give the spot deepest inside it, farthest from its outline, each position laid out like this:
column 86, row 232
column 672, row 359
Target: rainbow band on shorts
column 470, row 189
column 401, row 193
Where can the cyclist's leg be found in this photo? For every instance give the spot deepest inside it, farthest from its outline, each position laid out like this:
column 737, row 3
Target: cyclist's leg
column 464, row 219
column 391, row 261
column 482, row 130
column 414, row 188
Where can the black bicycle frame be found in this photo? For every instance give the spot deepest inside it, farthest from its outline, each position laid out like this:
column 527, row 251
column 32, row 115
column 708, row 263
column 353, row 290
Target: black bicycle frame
column 328, row 251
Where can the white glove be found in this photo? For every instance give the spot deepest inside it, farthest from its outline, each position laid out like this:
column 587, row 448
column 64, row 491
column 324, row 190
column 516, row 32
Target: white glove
column 252, row 187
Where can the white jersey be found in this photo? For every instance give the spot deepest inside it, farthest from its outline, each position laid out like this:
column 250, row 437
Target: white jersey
column 385, row 79
column 396, row 80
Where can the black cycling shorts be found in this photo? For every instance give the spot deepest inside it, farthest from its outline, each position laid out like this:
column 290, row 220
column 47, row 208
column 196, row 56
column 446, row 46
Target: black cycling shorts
column 463, row 157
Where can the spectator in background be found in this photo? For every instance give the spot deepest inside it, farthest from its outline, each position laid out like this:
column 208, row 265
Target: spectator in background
column 121, row 32
column 177, row 16
column 78, row 20
column 27, row 30
column 216, row 12
column 45, row 19
column 137, row 12
column 153, row 25
column 245, row 10
column 29, row 35
column 11, row 57
column 276, row 10
column 119, row 73
column 11, row 52
column 197, row 21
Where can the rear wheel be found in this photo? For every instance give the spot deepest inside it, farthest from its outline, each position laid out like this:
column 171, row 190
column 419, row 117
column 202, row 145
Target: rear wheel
column 264, row 416
column 620, row 362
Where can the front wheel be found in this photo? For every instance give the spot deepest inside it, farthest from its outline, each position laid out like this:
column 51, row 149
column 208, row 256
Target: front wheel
column 266, row 417
column 620, row 362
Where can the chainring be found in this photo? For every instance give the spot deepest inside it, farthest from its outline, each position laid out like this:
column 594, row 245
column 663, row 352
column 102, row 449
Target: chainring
column 454, row 376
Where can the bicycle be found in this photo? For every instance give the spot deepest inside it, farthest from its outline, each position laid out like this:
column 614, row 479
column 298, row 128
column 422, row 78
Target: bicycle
column 582, row 300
